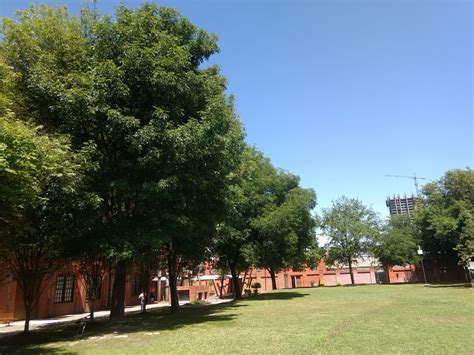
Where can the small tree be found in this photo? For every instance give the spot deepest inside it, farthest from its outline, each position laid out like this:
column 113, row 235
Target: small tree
column 147, row 261
column 397, row 244
column 350, row 227
column 38, row 174
column 93, row 267
column 283, row 231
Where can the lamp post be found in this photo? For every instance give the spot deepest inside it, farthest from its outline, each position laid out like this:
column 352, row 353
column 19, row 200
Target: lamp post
column 420, row 252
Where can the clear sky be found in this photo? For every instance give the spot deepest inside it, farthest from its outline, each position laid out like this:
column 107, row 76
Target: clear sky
column 343, row 92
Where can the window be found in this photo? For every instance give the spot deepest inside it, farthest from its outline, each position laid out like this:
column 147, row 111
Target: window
column 136, row 286
column 64, row 289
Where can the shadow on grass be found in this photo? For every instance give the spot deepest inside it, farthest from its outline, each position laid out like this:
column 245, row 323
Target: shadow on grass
column 152, row 321
column 458, row 285
column 285, row 295
column 31, row 343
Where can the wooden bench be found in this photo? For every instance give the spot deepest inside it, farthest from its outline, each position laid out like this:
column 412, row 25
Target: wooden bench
column 6, row 318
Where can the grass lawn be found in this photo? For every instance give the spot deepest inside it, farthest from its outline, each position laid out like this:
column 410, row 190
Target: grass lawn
column 401, row 319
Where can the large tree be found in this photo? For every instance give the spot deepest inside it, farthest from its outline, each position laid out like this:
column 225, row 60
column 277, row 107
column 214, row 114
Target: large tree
column 445, row 218
column 133, row 87
column 350, row 227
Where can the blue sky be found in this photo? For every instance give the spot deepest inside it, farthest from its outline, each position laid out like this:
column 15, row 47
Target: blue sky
column 343, row 92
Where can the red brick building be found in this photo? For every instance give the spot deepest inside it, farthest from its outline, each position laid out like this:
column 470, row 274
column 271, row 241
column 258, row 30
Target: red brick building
column 65, row 292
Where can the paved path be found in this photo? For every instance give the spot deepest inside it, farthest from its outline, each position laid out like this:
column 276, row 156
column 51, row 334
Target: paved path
column 17, row 326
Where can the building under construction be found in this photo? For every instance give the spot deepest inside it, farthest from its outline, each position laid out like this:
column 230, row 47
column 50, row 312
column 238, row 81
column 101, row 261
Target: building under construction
column 401, row 205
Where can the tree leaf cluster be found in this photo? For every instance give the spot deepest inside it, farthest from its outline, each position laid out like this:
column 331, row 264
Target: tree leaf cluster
column 445, row 217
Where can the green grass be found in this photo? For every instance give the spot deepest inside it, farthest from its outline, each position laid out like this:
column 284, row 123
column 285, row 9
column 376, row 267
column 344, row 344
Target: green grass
column 404, row 319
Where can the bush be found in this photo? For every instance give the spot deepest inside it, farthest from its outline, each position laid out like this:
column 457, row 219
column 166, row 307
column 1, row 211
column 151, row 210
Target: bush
column 256, row 285
column 338, row 284
column 322, row 283
column 248, row 291
column 199, row 302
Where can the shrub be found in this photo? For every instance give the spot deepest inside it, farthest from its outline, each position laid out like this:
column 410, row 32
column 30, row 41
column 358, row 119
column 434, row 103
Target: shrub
column 256, row 285
column 338, row 284
column 247, row 291
column 322, row 283
column 199, row 302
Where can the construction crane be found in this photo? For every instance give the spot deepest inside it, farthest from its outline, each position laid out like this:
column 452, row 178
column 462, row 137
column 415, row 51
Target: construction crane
column 415, row 180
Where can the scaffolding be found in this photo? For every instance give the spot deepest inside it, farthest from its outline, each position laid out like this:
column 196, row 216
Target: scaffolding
column 401, row 205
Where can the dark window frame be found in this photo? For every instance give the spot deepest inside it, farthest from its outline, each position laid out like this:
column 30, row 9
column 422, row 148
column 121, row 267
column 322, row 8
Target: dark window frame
column 64, row 291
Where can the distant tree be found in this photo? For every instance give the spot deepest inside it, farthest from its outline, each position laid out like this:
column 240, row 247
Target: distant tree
column 285, row 231
column 445, row 218
column 350, row 227
column 397, row 244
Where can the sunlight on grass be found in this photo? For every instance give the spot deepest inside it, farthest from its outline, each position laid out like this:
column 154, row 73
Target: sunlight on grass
column 365, row 319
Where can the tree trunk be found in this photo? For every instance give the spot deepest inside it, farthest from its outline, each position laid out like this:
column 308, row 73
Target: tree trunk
column 30, row 291
column 26, row 329
column 172, row 275
column 91, row 310
column 110, row 286
column 235, row 281
column 467, row 274
column 117, row 307
column 272, row 275
column 387, row 272
column 221, row 286
column 350, row 270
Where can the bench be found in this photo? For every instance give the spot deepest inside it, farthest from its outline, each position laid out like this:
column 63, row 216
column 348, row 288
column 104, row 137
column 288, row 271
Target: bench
column 82, row 323
column 6, row 318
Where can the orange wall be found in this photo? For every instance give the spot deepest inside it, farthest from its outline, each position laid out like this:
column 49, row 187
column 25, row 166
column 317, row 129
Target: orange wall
column 402, row 274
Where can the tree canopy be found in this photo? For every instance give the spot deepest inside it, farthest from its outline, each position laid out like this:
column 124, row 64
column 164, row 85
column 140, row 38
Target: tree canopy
column 445, row 217
column 397, row 244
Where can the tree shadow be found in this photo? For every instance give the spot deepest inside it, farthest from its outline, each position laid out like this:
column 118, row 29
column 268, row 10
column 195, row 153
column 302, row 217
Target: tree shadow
column 31, row 343
column 154, row 320
column 456, row 285
column 285, row 295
